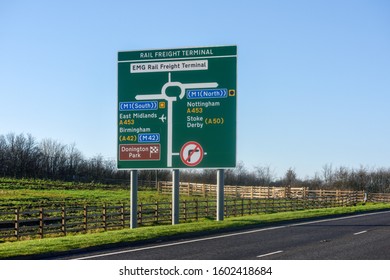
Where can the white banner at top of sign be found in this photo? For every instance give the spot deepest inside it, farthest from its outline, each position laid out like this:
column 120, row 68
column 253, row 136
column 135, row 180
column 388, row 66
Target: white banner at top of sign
column 189, row 65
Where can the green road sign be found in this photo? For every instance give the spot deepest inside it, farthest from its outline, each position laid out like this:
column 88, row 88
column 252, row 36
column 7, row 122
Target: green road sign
column 177, row 108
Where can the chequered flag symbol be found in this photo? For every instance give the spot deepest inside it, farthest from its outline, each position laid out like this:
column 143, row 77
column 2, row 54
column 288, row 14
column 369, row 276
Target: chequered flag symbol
column 153, row 149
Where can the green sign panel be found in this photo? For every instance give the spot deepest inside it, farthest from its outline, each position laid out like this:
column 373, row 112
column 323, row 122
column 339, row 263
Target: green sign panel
column 177, row 108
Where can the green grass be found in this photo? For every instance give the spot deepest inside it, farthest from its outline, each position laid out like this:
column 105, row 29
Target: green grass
column 22, row 197
column 23, row 192
column 30, row 183
column 63, row 244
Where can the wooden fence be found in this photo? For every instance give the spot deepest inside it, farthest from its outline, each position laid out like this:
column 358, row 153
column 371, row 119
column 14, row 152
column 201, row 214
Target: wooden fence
column 378, row 197
column 60, row 220
column 252, row 192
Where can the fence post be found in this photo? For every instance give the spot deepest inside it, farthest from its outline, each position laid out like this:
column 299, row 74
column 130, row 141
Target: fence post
column 63, row 220
column 156, row 210
column 85, row 218
column 196, row 209
column 185, row 210
column 104, row 216
column 355, row 198
column 273, row 204
column 122, row 211
column 140, row 209
column 268, row 205
column 41, row 223
column 17, row 223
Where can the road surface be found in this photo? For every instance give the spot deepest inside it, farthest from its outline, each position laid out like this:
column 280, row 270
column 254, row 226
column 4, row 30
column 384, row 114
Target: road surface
column 363, row 236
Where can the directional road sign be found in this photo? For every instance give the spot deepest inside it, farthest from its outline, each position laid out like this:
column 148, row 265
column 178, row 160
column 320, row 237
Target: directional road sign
column 177, row 108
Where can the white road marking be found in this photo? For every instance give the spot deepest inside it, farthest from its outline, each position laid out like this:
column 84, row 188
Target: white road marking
column 178, row 243
column 338, row 219
column 269, row 254
column 360, row 232
column 228, row 235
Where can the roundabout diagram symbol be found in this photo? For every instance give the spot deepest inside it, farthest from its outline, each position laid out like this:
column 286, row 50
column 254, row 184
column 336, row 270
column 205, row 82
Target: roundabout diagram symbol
column 191, row 153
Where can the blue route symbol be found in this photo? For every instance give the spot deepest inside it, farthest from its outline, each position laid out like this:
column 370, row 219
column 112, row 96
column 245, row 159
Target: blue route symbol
column 138, row 106
column 149, row 137
column 207, row 93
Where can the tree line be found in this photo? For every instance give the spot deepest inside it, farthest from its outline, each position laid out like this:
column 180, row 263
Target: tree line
column 22, row 156
column 340, row 178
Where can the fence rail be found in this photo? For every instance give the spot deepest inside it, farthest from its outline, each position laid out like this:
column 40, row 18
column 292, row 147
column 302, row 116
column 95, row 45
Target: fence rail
column 60, row 220
column 209, row 190
column 379, row 197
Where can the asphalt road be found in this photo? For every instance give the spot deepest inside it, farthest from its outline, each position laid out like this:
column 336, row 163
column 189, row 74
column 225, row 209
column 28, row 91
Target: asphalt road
column 358, row 237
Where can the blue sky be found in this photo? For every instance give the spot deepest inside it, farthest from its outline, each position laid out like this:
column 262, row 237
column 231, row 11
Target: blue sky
column 313, row 76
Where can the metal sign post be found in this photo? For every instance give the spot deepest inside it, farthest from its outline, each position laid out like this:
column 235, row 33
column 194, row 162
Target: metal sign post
column 220, row 194
column 175, row 196
column 133, row 198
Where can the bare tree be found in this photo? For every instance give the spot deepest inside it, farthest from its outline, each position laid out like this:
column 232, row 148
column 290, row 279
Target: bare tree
column 240, row 174
column 53, row 158
column 264, row 175
column 3, row 156
column 290, row 178
column 74, row 161
column 341, row 178
column 327, row 174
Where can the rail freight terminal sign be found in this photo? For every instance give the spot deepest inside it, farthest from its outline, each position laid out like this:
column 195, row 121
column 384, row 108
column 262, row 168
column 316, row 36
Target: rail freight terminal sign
column 177, row 108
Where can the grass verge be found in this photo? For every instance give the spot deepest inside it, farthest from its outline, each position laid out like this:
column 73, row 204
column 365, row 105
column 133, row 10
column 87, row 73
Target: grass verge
column 29, row 248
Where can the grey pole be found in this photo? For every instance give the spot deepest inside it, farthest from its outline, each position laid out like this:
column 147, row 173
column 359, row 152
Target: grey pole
column 220, row 194
column 133, row 198
column 175, row 196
